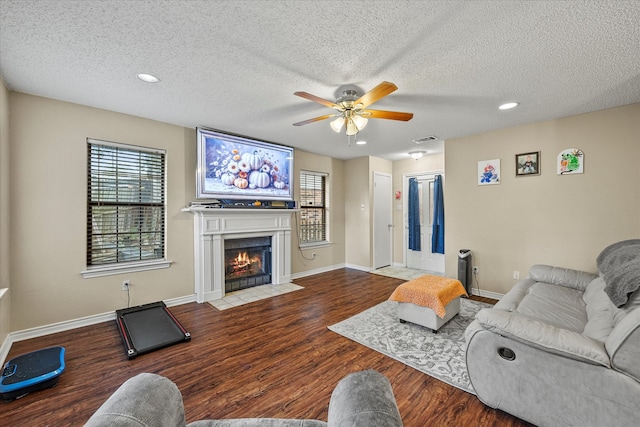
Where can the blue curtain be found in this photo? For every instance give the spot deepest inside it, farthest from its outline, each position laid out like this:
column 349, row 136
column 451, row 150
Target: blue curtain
column 437, row 237
column 414, row 215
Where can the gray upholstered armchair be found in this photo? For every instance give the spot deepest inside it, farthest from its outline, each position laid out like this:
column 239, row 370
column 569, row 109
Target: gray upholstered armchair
column 360, row 399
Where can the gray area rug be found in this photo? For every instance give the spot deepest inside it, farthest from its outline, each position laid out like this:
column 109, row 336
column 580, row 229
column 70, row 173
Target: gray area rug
column 439, row 355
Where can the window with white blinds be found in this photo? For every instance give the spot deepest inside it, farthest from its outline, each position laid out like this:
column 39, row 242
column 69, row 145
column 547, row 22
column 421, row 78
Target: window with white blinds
column 314, row 208
column 125, row 203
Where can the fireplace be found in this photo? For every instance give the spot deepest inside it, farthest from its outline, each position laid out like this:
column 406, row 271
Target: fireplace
column 215, row 228
column 247, row 263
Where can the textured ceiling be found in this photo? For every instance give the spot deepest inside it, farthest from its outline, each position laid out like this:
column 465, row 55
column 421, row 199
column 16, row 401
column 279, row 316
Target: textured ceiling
column 234, row 65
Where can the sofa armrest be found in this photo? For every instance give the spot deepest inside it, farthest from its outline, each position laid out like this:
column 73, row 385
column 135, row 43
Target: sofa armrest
column 144, row 400
column 364, row 398
column 623, row 344
column 543, row 335
column 574, row 279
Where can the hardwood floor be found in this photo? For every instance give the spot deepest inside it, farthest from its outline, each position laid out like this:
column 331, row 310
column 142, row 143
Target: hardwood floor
column 270, row 358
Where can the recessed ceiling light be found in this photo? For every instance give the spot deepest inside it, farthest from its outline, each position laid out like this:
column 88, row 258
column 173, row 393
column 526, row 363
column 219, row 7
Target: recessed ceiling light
column 148, row 78
column 508, row 105
column 361, row 142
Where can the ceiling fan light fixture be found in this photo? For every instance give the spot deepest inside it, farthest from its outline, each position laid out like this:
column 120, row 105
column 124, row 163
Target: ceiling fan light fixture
column 337, row 124
column 352, row 129
column 417, row 154
column 359, row 121
column 352, row 109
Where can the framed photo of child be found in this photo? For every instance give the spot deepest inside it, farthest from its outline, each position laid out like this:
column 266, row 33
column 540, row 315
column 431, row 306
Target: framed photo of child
column 528, row 164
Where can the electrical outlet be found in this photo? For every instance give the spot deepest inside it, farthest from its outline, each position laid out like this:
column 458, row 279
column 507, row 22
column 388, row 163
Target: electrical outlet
column 516, row 275
column 125, row 285
column 475, row 269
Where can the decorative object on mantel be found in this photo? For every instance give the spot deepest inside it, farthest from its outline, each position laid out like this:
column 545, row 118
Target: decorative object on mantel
column 489, row 172
column 351, row 109
column 233, row 166
column 246, row 204
column 570, row 162
column 528, row 164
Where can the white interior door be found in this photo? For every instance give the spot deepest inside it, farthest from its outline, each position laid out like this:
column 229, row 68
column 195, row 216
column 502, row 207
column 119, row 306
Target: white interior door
column 424, row 259
column 382, row 220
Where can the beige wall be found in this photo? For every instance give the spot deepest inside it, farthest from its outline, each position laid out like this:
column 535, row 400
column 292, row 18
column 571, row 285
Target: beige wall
column 358, row 186
column 561, row 220
column 427, row 164
column 5, row 257
column 326, row 256
column 47, row 203
column 549, row 219
column 48, row 211
column 357, row 213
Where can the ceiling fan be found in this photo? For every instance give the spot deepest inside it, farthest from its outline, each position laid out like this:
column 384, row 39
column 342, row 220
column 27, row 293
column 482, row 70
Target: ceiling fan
column 352, row 110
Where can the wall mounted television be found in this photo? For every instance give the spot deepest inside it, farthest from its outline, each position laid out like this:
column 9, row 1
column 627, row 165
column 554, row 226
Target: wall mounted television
column 237, row 167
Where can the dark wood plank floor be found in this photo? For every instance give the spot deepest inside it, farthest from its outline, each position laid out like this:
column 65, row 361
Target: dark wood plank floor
column 270, row 358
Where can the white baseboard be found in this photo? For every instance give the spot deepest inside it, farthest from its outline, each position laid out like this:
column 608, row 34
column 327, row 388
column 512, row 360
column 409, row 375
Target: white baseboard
column 306, row 273
column 359, row 267
column 67, row 325
column 486, row 294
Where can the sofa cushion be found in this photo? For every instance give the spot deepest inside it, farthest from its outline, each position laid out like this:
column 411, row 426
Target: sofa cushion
column 623, row 345
column 566, row 277
column 601, row 312
column 632, row 303
column 258, row 422
column 364, row 398
column 558, row 305
column 144, row 400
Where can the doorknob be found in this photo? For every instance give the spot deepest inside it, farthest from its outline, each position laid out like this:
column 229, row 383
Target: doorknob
column 389, row 225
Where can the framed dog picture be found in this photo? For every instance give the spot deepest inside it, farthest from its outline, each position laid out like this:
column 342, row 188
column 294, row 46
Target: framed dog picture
column 528, row 164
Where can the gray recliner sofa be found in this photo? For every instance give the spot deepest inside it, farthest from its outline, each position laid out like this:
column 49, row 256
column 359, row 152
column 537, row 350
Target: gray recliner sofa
column 362, row 398
column 562, row 347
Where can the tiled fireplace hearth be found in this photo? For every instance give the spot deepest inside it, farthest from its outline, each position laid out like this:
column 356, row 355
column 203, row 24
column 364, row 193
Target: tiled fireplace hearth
column 214, row 226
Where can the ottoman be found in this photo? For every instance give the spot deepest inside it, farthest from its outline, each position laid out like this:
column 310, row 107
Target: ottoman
column 429, row 301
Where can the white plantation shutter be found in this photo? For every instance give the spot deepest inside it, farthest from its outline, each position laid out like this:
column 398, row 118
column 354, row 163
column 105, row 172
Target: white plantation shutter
column 125, row 203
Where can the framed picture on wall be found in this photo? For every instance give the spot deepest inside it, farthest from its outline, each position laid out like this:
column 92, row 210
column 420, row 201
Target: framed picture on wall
column 528, row 164
column 570, row 161
column 489, row 172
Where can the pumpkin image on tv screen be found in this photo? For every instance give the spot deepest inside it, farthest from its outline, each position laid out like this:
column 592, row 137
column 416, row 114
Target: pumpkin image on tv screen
column 236, row 167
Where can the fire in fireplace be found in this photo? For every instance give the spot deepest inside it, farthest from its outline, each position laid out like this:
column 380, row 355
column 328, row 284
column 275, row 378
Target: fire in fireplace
column 247, row 262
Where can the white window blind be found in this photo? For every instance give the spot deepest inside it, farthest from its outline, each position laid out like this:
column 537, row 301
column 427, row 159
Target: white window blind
column 125, row 203
column 314, row 207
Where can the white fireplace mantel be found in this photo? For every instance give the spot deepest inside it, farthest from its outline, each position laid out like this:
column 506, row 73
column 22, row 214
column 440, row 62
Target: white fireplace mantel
column 212, row 226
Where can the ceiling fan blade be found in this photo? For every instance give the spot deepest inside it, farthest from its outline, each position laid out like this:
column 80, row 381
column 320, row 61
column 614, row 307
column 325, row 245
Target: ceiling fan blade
column 315, row 119
column 389, row 115
column 380, row 91
column 317, row 99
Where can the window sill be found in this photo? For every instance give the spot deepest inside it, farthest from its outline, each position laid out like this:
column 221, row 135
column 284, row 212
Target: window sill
column 109, row 270
column 314, row 245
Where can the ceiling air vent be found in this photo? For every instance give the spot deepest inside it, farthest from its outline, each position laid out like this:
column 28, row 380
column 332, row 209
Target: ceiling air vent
column 425, row 139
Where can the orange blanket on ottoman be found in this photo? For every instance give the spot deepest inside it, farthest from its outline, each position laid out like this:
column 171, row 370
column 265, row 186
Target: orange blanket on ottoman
column 430, row 291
